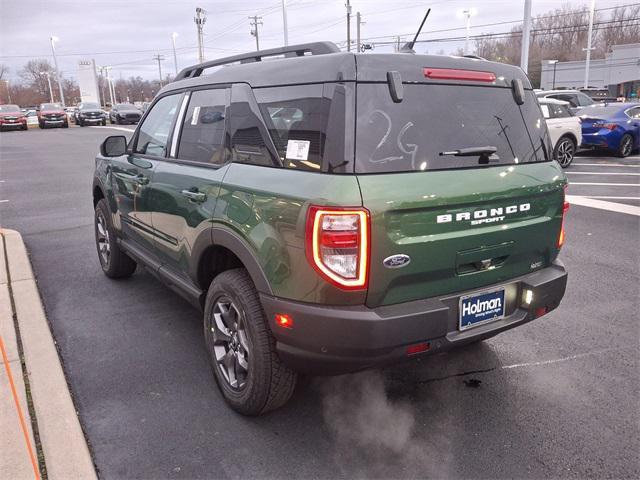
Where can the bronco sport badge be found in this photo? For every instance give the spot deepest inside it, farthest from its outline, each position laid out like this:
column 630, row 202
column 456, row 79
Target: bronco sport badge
column 488, row 215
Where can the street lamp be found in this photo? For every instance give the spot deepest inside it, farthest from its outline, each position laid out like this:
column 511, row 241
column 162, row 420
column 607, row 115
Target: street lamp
column 467, row 13
column 49, row 82
column 54, row 39
column 554, row 63
column 175, row 57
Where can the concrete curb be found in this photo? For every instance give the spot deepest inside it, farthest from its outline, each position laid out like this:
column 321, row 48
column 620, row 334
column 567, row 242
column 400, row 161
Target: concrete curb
column 66, row 453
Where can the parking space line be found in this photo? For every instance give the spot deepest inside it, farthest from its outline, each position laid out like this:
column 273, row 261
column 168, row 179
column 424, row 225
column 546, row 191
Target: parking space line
column 605, row 165
column 3, row 201
column 601, row 205
column 606, row 184
column 612, row 198
column 601, row 173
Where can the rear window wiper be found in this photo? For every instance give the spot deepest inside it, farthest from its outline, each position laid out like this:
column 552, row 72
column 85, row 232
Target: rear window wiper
column 471, row 151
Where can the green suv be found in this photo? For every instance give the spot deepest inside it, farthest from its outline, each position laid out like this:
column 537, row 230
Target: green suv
column 331, row 212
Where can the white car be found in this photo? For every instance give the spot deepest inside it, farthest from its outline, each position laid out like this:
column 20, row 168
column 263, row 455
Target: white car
column 565, row 129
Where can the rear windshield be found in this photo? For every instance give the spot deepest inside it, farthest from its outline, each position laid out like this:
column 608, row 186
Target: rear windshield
column 601, row 112
column 434, row 121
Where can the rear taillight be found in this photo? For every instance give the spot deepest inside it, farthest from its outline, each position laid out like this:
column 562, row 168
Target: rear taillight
column 565, row 209
column 607, row 126
column 337, row 244
column 456, row 74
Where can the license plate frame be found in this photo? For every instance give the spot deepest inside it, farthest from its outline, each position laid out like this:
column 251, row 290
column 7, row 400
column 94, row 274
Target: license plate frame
column 477, row 319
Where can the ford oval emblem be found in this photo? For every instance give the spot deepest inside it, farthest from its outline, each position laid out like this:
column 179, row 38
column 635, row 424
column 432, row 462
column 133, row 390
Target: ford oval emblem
column 397, row 261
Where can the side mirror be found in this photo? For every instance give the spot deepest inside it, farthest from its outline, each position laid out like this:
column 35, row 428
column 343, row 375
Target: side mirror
column 518, row 91
column 114, row 146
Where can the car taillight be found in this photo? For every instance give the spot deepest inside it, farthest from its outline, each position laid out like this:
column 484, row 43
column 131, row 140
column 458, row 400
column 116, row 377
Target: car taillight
column 565, row 209
column 456, row 74
column 608, row 126
column 337, row 245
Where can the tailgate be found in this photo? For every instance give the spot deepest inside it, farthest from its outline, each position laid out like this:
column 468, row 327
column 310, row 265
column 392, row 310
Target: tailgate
column 461, row 229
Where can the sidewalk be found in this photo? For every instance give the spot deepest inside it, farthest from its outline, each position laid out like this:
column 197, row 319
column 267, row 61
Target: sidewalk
column 41, row 434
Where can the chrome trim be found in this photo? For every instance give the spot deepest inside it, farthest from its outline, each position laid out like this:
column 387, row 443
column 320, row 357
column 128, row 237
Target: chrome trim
column 179, row 120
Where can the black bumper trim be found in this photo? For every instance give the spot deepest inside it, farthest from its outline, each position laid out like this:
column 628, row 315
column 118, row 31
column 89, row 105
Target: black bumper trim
column 331, row 340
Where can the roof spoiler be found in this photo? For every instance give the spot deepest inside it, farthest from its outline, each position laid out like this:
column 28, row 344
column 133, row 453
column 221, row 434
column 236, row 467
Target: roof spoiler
column 316, row 48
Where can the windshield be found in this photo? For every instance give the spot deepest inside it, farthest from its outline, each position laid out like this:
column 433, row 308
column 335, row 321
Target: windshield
column 433, row 122
column 9, row 108
column 89, row 106
column 50, row 106
column 125, row 106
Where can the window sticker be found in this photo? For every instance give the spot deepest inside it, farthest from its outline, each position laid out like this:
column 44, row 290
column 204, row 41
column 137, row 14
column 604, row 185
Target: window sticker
column 298, row 149
column 196, row 114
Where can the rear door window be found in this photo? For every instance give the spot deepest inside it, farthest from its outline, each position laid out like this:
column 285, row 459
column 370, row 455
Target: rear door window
column 153, row 134
column 202, row 139
column 433, row 120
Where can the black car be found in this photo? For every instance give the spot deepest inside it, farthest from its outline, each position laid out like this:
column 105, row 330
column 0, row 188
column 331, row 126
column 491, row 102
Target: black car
column 124, row 113
column 90, row 113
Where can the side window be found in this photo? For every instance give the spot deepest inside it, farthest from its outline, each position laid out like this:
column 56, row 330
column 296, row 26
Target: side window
column 560, row 111
column 202, row 138
column 584, row 100
column 154, row 131
column 248, row 137
column 634, row 112
column 545, row 110
column 297, row 119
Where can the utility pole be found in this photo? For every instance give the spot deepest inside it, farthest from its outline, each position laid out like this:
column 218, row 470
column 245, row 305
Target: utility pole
column 397, row 45
column 54, row 39
column 104, row 97
column 159, row 58
column 359, row 22
column 200, row 19
column 526, row 33
column 348, row 5
column 256, row 21
column 592, row 11
column 284, row 22
column 49, row 82
column 175, row 57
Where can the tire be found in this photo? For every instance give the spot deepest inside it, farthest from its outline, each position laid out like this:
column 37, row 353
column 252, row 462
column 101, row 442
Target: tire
column 104, row 123
column 41, row 125
column 626, row 146
column 564, row 151
column 80, row 123
column 65, row 125
column 263, row 383
column 114, row 262
column 25, row 127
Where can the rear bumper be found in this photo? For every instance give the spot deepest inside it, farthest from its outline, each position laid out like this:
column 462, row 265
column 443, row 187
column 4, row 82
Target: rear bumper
column 329, row 340
column 609, row 140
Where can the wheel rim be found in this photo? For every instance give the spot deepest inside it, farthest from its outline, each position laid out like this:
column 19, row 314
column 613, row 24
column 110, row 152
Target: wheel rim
column 565, row 152
column 104, row 243
column 230, row 343
column 626, row 146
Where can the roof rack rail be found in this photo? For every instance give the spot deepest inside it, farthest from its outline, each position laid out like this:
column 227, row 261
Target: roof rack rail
column 315, row 48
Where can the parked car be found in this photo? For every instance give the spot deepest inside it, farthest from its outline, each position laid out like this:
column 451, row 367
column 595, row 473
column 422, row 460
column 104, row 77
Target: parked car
column 614, row 126
column 564, row 128
column 71, row 112
column 12, row 118
column 411, row 207
column 52, row 114
column 576, row 99
column 90, row 113
column 124, row 113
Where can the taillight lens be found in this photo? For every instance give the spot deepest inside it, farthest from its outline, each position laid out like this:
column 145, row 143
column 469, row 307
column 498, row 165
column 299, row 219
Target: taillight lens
column 608, row 126
column 338, row 245
column 565, row 209
column 455, row 74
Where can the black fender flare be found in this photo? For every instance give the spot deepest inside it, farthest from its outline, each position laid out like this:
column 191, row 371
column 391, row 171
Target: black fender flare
column 221, row 236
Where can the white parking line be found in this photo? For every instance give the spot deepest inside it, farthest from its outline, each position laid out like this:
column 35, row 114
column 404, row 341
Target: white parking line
column 613, row 198
column 3, row 201
column 605, row 165
column 599, row 204
column 601, row 173
column 607, row 184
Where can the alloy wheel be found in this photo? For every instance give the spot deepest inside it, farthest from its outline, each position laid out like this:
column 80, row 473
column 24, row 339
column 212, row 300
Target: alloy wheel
column 566, row 150
column 626, row 146
column 104, row 243
column 230, row 343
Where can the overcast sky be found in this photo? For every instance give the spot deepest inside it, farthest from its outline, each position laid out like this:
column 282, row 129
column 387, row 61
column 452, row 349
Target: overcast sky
column 128, row 33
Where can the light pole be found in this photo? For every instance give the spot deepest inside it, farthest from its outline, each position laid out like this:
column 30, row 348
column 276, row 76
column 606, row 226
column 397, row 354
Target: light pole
column 284, row 22
column 49, row 82
column 54, row 39
column 175, row 57
column 467, row 14
column 554, row 63
column 592, row 11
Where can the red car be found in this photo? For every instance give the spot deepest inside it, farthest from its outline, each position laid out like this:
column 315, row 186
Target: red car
column 52, row 115
column 12, row 117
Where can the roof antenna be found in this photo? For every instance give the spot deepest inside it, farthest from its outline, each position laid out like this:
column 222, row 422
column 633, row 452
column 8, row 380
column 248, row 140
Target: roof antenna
column 408, row 47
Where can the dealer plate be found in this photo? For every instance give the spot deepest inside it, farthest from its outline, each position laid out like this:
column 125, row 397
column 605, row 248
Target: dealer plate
column 481, row 308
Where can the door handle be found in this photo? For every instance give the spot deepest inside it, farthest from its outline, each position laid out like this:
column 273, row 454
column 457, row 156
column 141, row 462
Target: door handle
column 194, row 195
column 139, row 179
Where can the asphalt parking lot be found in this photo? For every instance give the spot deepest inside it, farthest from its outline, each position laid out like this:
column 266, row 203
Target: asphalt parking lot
column 559, row 397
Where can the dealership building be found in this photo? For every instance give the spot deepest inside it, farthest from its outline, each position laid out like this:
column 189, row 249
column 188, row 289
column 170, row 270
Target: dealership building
column 619, row 72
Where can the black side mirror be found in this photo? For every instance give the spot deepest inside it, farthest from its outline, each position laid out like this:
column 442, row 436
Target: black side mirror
column 394, row 82
column 114, row 146
column 518, row 90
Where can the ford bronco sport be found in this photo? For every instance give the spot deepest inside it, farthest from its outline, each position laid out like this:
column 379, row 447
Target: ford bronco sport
column 331, row 212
